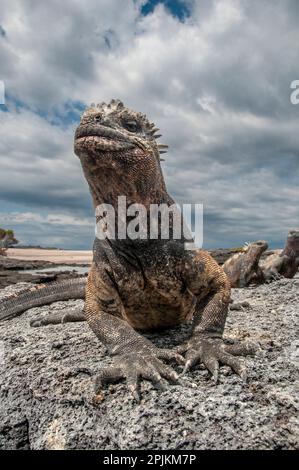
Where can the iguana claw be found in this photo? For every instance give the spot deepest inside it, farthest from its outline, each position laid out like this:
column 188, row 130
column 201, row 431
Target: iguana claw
column 213, row 351
column 135, row 366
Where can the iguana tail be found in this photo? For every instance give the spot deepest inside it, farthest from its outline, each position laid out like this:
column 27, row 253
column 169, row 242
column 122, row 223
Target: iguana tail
column 52, row 292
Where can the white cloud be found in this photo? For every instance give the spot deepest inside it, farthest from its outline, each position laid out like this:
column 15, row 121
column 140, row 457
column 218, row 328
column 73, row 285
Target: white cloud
column 52, row 219
column 217, row 85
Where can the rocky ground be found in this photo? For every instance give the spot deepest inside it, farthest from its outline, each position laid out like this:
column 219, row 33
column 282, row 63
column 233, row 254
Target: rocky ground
column 13, row 271
column 47, row 375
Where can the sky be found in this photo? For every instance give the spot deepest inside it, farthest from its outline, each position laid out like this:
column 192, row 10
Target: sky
column 215, row 77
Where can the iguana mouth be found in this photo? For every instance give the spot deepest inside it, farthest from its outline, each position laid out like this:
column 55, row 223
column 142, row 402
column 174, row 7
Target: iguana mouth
column 98, row 130
column 100, row 138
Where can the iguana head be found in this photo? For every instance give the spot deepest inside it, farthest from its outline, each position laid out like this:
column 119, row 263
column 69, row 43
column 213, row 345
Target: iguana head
column 114, row 128
column 243, row 267
column 119, row 152
column 250, row 261
column 254, row 250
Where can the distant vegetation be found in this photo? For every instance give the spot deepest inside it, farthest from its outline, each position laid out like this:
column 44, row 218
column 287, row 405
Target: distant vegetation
column 7, row 239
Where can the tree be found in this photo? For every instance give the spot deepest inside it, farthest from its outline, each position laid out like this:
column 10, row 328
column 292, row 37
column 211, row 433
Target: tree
column 7, row 239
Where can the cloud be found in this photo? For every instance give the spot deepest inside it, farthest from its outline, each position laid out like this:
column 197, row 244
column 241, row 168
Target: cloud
column 38, row 166
column 216, row 82
column 53, row 219
column 60, row 230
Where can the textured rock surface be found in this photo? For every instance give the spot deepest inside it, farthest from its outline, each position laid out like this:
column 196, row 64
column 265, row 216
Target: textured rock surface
column 19, row 265
column 47, row 374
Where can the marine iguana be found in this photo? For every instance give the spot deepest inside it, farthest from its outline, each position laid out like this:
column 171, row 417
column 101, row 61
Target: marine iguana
column 243, row 268
column 284, row 264
column 137, row 285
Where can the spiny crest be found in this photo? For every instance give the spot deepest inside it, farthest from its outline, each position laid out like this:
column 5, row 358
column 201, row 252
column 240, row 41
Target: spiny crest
column 117, row 106
column 246, row 246
column 114, row 105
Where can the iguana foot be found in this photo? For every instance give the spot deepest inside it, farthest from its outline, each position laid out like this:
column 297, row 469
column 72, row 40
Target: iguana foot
column 141, row 365
column 58, row 317
column 239, row 305
column 212, row 351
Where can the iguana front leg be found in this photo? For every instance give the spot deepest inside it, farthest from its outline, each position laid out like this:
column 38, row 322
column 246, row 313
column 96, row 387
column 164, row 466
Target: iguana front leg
column 206, row 344
column 273, row 272
column 134, row 356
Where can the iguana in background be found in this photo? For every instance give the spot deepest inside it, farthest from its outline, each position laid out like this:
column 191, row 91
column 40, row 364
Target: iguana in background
column 243, row 268
column 145, row 284
column 284, row 264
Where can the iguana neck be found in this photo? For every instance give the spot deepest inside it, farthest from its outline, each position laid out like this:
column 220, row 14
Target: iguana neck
column 108, row 183
column 290, row 251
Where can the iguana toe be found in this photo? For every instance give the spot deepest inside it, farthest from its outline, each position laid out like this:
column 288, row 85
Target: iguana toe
column 37, row 322
column 171, row 355
column 213, row 351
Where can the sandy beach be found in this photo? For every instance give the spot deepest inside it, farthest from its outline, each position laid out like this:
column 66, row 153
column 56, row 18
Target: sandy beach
column 54, row 256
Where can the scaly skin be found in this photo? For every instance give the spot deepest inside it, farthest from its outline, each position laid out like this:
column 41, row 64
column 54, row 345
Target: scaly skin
column 286, row 263
column 42, row 295
column 146, row 284
column 243, row 268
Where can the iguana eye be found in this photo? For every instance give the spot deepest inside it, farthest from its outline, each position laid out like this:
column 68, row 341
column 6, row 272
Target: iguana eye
column 132, row 126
